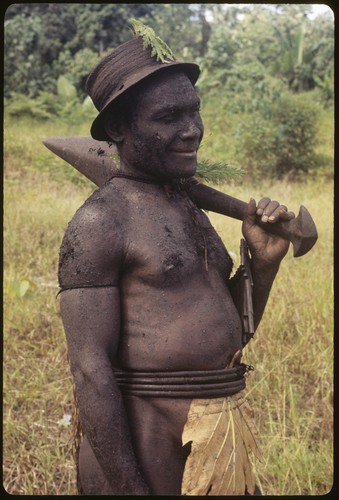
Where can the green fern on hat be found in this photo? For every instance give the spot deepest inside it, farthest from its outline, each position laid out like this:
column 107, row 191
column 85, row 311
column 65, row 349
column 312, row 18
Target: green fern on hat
column 159, row 48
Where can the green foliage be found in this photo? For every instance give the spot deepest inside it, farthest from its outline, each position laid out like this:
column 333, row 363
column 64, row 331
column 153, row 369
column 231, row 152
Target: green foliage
column 25, row 69
column 66, row 90
column 18, row 289
column 280, row 138
column 217, row 172
column 39, row 37
column 21, row 105
column 326, row 87
column 44, row 41
column 183, row 25
column 65, row 105
column 250, row 43
column 68, row 105
column 159, row 48
column 269, row 133
column 76, row 67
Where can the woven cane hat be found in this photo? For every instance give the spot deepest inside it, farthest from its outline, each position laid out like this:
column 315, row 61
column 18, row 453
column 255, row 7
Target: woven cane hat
column 120, row 70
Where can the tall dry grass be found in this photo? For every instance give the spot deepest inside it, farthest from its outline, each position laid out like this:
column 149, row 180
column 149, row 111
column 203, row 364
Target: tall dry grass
column 290, row 389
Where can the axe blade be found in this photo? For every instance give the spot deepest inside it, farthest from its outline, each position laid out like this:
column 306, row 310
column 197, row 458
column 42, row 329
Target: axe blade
column 94, row 159
column 306, row 235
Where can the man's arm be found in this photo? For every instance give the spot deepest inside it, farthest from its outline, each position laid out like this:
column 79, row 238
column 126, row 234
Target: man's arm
column 91, row 256
column 91, row 320
column 267, row 250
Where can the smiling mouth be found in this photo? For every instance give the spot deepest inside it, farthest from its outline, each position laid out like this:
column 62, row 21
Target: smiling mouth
column 186, row 154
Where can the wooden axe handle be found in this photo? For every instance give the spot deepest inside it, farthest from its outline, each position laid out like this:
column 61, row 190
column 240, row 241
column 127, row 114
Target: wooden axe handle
column 300, row 231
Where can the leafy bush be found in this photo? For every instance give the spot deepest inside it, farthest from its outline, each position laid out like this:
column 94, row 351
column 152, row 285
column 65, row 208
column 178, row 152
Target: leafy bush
column 66, row 105
column 20, row 105
column 280, row 137
column 326, row 87
column 76, row 67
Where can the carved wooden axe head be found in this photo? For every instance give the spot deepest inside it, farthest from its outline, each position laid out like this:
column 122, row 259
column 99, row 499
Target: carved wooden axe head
column 97, row 160
column 94, row 159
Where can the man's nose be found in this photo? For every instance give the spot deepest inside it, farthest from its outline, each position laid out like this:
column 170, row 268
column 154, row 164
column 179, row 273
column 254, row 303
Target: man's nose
column 191, row 130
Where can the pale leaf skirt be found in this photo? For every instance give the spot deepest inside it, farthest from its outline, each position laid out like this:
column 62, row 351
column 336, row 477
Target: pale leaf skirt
column 222, row 447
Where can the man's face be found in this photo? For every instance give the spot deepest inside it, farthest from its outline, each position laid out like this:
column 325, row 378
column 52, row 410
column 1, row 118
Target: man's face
column 166, row 130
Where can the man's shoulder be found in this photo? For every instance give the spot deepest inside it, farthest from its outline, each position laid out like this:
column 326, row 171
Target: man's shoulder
column 100, row 223
column 104, row 205
column 93, row 243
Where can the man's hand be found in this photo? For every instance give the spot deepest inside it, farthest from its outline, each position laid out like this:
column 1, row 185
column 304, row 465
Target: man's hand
column 267, row 250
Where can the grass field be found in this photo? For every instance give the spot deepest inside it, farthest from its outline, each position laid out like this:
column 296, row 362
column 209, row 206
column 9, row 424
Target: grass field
column 290, row 390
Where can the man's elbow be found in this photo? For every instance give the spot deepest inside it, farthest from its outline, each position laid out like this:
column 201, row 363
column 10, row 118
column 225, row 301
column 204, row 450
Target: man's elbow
column 92, row 375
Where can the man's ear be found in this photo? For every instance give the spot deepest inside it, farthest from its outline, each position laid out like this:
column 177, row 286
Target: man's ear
column 115, row 130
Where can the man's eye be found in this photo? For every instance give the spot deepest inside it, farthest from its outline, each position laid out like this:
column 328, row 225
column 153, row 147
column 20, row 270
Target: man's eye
column 168, row 117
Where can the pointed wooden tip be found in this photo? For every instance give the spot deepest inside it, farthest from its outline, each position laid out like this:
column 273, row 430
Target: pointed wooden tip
column 94, row 159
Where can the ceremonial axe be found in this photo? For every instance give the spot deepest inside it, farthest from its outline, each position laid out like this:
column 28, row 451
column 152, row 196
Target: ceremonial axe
column 97, row 160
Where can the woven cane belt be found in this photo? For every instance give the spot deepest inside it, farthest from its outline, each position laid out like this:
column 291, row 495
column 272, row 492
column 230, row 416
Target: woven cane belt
column 183, row 384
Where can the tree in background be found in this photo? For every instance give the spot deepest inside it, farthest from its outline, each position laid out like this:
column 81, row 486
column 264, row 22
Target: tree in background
column 252, row 42
column 44, row 40
column 232, row 43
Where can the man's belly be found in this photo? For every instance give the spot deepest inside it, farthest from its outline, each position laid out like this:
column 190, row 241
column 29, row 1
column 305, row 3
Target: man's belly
column 195, row 330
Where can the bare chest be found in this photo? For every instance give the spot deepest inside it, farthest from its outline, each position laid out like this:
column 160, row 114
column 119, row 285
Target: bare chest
column 170, row 239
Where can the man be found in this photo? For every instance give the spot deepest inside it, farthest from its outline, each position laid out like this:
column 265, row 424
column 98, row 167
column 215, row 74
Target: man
column 149, row 318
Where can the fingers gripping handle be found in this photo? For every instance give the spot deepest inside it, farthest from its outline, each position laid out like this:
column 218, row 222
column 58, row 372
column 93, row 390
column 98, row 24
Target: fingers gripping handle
column 301, row 231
